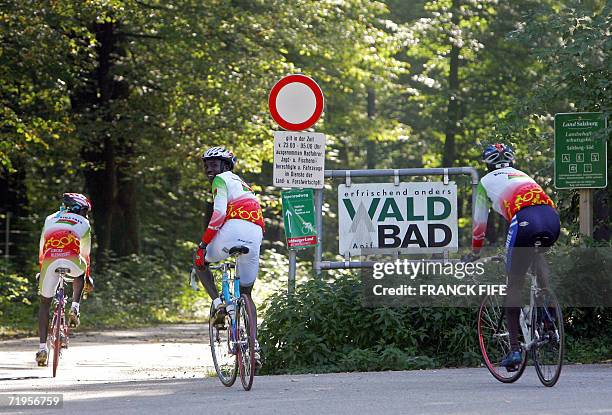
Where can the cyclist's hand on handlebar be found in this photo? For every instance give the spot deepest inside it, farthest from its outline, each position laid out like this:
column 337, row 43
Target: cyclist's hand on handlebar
column 200, row 253
column 471, row 257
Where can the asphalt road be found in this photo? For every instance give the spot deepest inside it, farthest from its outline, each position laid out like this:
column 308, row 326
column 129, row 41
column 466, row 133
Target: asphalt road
column 167, row 370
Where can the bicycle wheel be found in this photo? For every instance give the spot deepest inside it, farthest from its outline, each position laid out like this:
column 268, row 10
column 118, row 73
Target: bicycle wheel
column 494, row 339
column 56, row 339
column 224, row 359
column 547, row 329
column 245, row 330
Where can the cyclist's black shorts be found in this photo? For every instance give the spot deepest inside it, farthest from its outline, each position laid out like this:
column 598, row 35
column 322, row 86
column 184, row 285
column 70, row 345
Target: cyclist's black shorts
column 529, row 225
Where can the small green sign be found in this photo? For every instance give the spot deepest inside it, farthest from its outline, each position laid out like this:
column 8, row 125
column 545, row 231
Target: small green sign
column 299, row 217
column 580, row 150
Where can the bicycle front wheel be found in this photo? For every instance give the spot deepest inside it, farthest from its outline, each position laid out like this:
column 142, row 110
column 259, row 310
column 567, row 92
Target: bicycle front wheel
column 223, row 351
column 245, row 331
column 56, row 344
column 494, row 339
column 547, row 331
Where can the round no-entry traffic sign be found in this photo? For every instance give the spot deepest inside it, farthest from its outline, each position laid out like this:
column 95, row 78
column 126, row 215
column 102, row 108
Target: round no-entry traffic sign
column 296, row 102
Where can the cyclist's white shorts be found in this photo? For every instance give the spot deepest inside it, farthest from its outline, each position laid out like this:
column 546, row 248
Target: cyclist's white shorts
column 49, row 278
column 233, row 233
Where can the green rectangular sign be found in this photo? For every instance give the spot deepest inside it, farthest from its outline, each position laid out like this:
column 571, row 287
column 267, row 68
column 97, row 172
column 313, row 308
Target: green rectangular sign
column 580, row 150
column 299, row 217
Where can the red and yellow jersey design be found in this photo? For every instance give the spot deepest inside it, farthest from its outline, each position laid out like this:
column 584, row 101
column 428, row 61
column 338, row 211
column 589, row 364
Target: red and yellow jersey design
column 245, row 209
column 65, row 236
column 233, row 199
column 507, row 191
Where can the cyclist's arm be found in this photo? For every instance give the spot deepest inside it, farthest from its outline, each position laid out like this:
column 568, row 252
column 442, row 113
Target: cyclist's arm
column 86, row 249
column 41, row 244
column 481, row 215
column 219, row 189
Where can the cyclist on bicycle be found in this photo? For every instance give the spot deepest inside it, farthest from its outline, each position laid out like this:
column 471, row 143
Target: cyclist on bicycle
column 533, row 219
column 65, row 242
column 237, row 219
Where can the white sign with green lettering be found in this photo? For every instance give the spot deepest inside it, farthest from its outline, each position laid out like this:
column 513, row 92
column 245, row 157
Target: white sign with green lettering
column 407, row 218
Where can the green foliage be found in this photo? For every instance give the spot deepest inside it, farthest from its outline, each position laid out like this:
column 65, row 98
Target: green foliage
column 181, row 76
column 325, row 327
column 17, row 297
column 14, row 289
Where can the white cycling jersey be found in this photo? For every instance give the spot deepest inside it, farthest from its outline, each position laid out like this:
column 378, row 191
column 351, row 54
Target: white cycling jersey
column 233, row 199
column 65, row 242
column 507, row 190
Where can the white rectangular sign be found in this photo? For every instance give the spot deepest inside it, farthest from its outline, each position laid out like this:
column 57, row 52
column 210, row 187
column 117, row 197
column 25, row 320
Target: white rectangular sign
column 416, row 217
column 299, row 159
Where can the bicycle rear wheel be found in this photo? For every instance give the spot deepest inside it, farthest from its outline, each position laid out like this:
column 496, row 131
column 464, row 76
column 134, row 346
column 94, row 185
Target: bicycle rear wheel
column 56, row 344
column 245, row 329
column 547, row 329
column 224, row 358
column 494, row 339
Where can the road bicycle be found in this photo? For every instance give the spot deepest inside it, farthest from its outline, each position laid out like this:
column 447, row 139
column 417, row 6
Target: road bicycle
column 233, row 343
column 541, row 334
column 58, row 329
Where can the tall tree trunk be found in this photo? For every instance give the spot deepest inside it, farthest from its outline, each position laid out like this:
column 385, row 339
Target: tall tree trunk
column 452, row 118
column 108, row 177
column 370, row 144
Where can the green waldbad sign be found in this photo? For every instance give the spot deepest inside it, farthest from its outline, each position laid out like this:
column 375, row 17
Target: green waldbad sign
column 580, row 150
column 299, row 217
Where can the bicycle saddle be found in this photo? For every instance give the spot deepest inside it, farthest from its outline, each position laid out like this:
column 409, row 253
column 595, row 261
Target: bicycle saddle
column 239, row 250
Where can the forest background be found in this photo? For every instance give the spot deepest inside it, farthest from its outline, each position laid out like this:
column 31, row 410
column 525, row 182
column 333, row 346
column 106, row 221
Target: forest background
column 118, row 99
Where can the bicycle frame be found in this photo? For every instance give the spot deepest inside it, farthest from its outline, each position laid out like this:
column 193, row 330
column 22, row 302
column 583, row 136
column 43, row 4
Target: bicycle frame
column 60, row 297
column 230, row 297
column 526, row 312
column 59, row 319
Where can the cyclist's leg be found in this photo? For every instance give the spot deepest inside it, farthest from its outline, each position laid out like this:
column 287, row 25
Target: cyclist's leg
column 208, row 281
column 77, row 288
column 248, row 264
column 74, row 316
column 47, row 285
column 214, row 253
column 43, row 318
column 518, row 260
column 547, row 228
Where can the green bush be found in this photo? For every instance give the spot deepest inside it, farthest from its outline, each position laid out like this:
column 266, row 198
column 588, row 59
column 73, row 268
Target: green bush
column 140, row 289
column 325, row 327
column 17, row 304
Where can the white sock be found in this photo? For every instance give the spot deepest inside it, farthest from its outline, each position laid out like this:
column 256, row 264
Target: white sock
column 76, row 306
column 42, row 346
column 217, row 302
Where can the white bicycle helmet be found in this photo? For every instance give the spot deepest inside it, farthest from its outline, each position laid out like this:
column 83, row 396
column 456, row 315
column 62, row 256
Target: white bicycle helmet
column 76, row 203
column 220, row 153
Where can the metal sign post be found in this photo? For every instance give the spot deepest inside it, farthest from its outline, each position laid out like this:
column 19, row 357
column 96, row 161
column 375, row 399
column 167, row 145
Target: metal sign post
column 300, row 230
column 319, row 264
column 296, row 103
